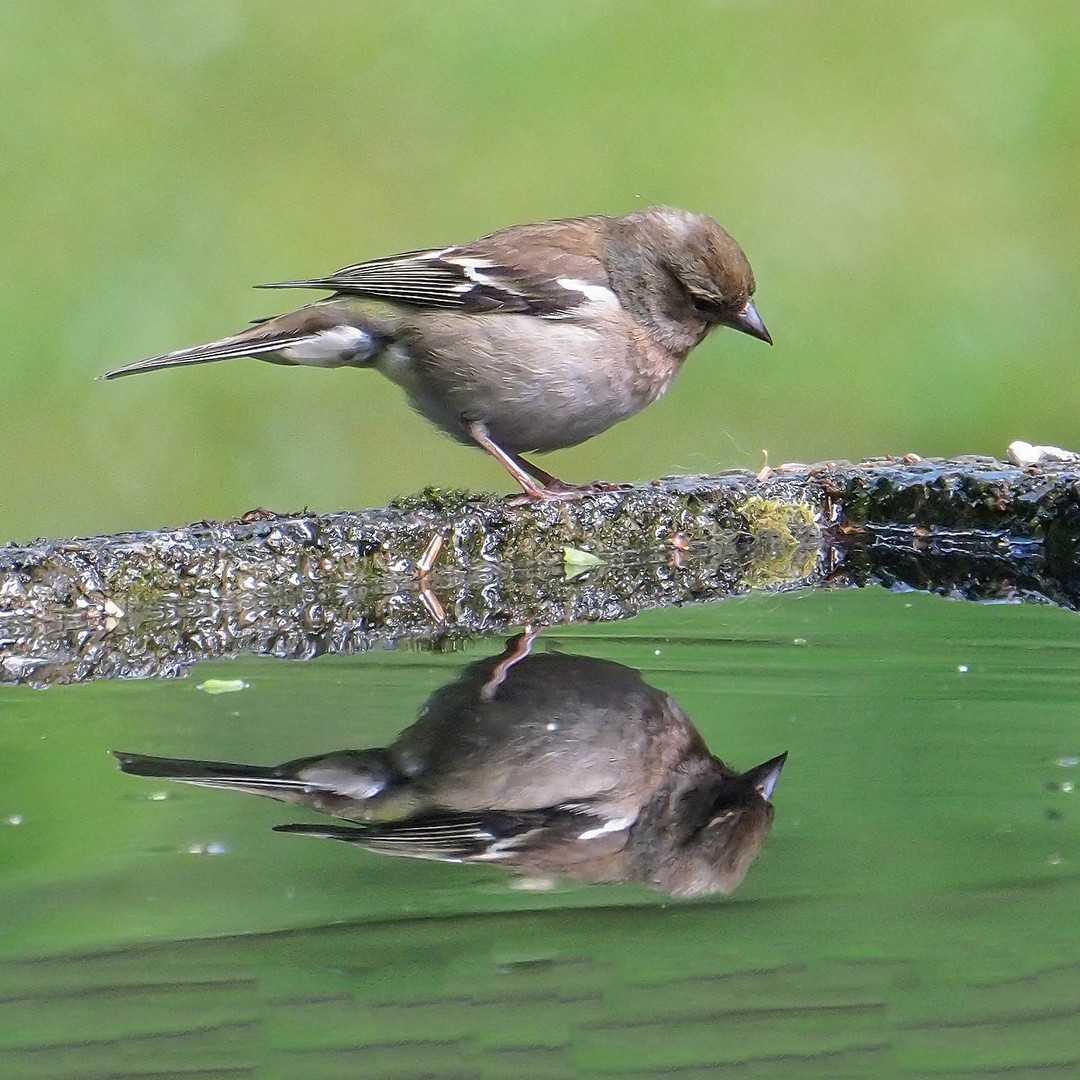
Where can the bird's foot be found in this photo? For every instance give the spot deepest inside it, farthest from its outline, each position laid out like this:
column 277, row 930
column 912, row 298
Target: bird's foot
column 559, row 491
column 537, row 485
column 259, row 513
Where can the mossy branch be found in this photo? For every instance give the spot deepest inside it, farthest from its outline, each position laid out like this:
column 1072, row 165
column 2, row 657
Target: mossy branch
column 153, row 603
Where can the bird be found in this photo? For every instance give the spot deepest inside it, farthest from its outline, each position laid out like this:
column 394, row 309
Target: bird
column 530, row 339
column 549, row 764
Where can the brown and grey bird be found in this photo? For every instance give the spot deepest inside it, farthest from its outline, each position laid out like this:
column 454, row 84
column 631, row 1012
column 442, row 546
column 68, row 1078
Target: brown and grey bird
column 547, row 764
column 533, row 338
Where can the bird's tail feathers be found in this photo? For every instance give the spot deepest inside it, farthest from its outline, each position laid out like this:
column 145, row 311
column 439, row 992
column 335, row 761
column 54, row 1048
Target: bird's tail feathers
column 248, row 343
column 356, row 834
column 256, row 779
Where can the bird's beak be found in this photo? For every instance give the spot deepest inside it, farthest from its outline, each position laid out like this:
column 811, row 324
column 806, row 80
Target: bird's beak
column 748, row 321
column 765, row 775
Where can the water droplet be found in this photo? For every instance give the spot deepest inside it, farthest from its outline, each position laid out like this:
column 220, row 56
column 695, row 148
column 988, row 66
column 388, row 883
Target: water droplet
column 214, row 847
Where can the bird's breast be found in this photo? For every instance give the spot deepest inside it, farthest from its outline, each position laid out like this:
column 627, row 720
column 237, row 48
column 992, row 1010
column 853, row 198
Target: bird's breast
column 538, row 384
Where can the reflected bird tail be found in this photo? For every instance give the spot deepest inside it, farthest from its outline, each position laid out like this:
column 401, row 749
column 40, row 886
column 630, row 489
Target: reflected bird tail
column 338, row 783
column 257, row 779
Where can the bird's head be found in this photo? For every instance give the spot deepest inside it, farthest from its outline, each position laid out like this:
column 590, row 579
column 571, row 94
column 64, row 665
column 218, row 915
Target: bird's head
column 718, row 851
column 705, row 275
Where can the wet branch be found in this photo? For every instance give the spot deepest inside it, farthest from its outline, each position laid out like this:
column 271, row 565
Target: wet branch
column 153, row 603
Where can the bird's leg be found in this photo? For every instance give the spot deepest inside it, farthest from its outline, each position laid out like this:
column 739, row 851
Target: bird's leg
column 424, row 565
column 532, row 486
column 536, row 484
column 516, row 650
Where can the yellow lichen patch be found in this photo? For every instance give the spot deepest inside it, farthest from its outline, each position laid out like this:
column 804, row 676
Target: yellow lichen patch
column 791, row 523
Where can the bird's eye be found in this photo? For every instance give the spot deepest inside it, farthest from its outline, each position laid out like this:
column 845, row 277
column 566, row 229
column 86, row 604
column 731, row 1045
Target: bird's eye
column 703, row 306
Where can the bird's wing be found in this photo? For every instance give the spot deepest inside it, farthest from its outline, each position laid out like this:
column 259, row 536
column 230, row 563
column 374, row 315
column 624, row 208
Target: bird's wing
column 448, row 836
column 547, row 269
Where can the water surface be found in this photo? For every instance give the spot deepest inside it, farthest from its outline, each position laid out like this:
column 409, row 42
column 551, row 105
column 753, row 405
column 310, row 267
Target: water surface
column 914, row 910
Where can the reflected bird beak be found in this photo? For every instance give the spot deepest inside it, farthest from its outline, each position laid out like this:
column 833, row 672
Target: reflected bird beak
column 748, row 321
column 765, row 775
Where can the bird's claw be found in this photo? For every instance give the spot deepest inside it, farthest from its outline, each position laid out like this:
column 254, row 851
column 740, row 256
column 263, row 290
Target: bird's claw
column 557, row 491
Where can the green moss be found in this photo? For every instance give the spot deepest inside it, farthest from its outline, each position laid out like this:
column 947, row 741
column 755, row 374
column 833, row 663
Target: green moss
column 439, row 500
column 786, row 538
column 144, row 589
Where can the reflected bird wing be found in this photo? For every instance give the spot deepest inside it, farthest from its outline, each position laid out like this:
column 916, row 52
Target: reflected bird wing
column 450, row 836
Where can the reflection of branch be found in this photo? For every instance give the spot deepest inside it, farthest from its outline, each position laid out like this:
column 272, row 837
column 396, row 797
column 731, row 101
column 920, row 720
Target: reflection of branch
column 153, row 603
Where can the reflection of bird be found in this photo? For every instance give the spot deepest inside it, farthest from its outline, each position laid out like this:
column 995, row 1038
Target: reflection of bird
column 533, row 338
column 550, row 764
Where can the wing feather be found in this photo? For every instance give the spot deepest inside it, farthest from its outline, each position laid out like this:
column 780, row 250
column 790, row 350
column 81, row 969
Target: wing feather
column 540, row 270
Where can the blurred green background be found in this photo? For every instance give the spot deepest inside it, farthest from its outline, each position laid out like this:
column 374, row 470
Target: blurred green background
column 903, row 177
